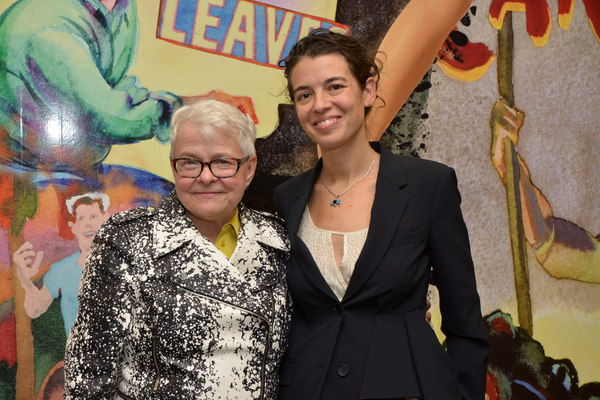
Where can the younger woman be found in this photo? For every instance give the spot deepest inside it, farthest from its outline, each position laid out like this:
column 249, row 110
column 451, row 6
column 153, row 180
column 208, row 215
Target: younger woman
column 366, row 227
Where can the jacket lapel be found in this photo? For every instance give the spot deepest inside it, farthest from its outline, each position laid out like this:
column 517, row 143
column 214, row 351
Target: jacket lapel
column 388, row 208
column 304, row 259
column 200, row 267
column 173, row 229
column 251, row 256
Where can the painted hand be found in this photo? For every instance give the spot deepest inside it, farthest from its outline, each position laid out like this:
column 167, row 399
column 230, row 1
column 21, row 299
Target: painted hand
column 27, row 266
column 505, row 122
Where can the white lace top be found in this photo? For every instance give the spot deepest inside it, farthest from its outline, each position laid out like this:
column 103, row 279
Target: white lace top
column 320, row 245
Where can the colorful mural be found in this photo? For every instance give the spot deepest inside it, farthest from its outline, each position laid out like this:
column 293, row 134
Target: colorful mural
column 535, row 235
column 87, row 88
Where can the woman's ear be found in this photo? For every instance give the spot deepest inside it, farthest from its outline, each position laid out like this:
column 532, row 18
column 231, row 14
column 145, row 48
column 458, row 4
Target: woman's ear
column 370, row 92
column 250, row 169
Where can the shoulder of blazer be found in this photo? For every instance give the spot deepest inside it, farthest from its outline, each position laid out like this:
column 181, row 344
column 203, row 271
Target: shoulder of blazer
column 291, row 186
column 288, row 192
column 408, row 162
column 401, row 170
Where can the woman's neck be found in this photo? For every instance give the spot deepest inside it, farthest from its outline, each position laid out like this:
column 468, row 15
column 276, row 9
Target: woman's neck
column 346, row 164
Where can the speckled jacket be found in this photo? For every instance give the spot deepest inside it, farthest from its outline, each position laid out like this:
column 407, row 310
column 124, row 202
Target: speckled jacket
column 164, row 314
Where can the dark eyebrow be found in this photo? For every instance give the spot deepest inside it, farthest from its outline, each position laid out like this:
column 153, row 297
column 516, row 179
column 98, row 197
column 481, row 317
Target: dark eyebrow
column 336, row 78
column 327, row 81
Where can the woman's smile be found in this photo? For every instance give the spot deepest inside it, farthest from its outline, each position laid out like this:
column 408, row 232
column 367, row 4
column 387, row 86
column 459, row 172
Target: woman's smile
column 330, row 102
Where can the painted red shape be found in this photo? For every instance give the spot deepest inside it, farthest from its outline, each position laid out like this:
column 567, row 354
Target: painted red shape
column 8, row 205
column 466, row 62
column 592, row 7
column 8, row 340
column 491, row 387
column 564, row 6
column 538, row 16
column 500, row 325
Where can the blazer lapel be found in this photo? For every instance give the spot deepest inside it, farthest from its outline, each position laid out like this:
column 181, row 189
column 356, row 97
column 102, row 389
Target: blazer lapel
column 388, row 208
column 303, row 191
column 300, row 252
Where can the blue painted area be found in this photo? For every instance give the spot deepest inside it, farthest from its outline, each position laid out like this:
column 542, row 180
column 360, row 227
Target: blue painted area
column 225, row 13
column 188, row 19
column 531, row 389
column 186, row 13
column 293, row 36
column 260, row 48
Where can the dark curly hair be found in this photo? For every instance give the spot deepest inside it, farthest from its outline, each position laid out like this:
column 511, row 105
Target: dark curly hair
column 363, row 65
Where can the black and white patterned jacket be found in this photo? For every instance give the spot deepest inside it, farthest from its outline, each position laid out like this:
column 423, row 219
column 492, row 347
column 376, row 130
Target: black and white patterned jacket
column 164, row 314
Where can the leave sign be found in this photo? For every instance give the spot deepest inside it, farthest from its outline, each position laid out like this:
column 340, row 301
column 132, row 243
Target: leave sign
column 247, row 30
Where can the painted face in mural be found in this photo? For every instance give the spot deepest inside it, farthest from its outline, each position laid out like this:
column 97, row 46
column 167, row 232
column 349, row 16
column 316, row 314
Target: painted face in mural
column 88, row 219
column 208, row 199
column 329, row 100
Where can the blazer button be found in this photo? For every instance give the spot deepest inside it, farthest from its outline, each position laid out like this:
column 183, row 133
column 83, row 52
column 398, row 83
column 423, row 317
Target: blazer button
column 343, row 370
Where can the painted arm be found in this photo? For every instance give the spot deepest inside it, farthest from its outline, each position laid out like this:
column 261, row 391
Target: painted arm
column 410, row 47
column 66, row 80
column 564, row 249
column 37, row 300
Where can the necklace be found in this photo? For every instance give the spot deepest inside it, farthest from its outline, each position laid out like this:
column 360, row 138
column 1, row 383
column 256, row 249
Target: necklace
column 337, row 202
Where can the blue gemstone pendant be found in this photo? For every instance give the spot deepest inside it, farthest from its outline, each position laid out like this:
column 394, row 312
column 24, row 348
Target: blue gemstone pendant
column 335, row 203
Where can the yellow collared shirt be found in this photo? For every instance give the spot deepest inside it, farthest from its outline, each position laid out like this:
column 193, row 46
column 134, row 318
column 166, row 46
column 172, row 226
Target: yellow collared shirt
column 227, row 239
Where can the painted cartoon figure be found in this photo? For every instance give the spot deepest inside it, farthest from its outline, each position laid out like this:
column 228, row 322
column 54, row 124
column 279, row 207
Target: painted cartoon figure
column 66, row 96
column 90, row 212
column 563, row 249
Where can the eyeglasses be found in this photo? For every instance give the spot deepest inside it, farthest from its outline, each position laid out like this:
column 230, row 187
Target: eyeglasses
column 220, row 168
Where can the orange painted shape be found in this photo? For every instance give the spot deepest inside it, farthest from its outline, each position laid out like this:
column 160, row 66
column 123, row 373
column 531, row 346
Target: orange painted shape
column 57, row 392
column 592, row 7
column 565, row 13
column 6, row 288
column 8, row 205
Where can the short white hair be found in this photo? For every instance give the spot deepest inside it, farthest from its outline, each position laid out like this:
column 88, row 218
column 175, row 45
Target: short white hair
column 209, row 115
column 92, row 196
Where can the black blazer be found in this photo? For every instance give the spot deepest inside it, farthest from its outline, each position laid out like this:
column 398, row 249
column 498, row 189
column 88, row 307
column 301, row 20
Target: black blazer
column 375, row 343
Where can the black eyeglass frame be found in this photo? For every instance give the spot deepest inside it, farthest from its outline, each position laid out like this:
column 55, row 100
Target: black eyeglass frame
column 203, row 163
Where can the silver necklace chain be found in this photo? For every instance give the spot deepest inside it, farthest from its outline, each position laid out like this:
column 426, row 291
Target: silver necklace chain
column 337, row 202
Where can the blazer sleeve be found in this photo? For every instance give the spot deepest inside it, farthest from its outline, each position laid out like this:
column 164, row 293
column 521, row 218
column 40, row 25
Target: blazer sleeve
column 454, row 275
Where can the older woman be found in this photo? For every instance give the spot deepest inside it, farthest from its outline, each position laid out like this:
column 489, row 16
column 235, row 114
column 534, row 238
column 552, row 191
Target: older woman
column 187, row 299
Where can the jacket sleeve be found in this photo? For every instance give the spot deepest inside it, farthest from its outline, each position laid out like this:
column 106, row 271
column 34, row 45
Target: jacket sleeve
column 95, row 344
column 454, row 276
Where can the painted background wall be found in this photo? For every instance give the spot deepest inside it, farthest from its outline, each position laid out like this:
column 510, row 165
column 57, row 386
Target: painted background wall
column 534, row 236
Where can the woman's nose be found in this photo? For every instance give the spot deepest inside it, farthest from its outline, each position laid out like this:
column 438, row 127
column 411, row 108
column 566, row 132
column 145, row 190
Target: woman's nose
column 322, row 102
column 206, row 176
